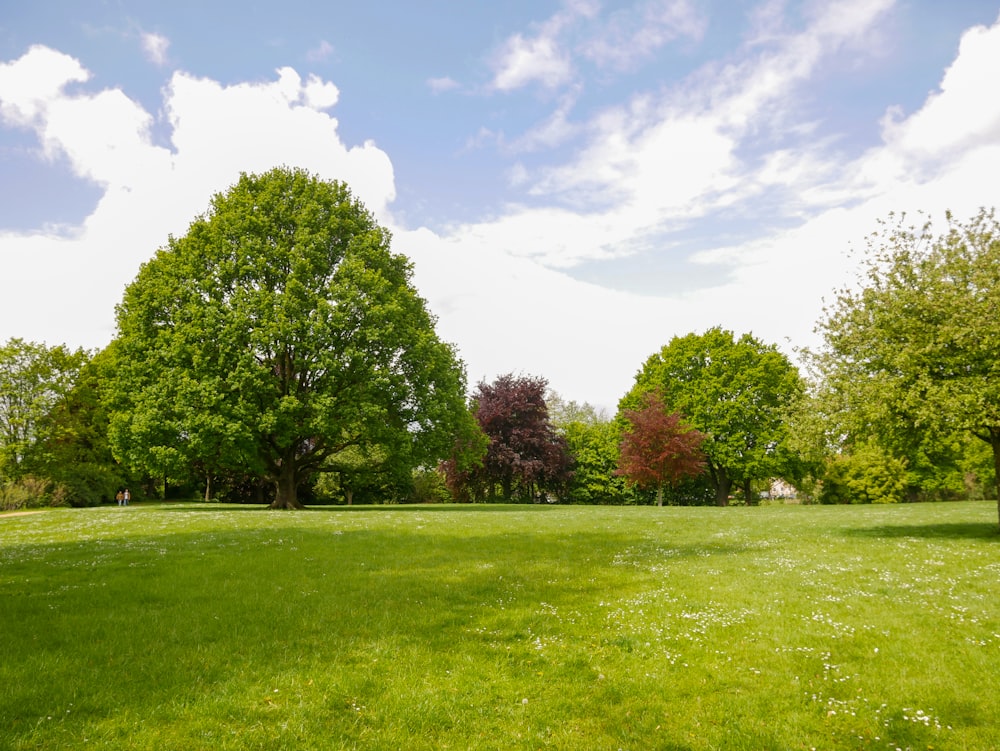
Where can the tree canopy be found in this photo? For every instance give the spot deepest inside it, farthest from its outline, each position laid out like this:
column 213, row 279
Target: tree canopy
column 916, row 343
column 279, row 332
column 658, row 450
column 734, row 391
column 592, row 439
column 524, row 455
column 34, row 379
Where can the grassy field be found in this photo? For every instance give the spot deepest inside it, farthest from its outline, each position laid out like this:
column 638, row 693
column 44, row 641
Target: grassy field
column 198, row 626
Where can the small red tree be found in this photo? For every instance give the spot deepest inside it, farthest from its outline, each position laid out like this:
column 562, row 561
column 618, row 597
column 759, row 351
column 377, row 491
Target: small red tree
column 658, row 450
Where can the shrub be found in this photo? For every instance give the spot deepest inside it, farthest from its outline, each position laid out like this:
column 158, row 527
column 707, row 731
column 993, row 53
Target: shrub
column 31, row 492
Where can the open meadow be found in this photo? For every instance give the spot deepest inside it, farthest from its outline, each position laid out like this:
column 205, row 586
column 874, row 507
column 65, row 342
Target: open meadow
column 199, row 626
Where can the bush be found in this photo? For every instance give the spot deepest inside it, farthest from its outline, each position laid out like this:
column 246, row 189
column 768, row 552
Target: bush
column 869, row 475
column 31, row 492
column 429, row 487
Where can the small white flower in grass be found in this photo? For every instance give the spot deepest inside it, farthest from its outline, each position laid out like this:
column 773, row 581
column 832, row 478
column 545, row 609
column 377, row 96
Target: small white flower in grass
column 524, row 702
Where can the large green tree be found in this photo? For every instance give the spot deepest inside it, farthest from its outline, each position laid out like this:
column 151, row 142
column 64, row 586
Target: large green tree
column 734, row 391
column 916, row 342
column 279, row 332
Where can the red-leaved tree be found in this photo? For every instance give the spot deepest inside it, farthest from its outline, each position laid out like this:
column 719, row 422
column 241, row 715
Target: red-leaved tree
column 658, row 450
column 525, row 456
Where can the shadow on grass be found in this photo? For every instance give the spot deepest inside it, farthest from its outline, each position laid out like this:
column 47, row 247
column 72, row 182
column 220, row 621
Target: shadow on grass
column 362, row 508
column 949, row 531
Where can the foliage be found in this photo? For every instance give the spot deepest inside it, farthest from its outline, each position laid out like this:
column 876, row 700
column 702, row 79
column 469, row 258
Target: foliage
column 592, row 443
column 525, row 457
column 658, row 450
column 429, row 487
column 72, row 449
column 593, row 447
column 563, row 412
column 34, row 379
column 914, row 348
column 28, row 491
column 368, row 475
column 277, row 333
column 867, row 475
column 737, row 392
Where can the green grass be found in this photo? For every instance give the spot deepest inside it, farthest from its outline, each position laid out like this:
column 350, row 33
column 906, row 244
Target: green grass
column 454, row 627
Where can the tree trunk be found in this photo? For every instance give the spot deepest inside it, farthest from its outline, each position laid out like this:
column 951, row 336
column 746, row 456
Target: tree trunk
column 748, row 496
column 287, row 486
column 659, row 495
column 995, row 445
column 208, row 488
column 723, row 484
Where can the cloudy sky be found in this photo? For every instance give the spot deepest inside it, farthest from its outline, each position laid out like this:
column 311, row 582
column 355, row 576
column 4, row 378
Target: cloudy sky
column 576, row 182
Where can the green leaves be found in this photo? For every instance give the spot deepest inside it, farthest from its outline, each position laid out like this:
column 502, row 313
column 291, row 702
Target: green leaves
column 913, row 352
column 280, row 330
column 735, row 391
column 34, row 379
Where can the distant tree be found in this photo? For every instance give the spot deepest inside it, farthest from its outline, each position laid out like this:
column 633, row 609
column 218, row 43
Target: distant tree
column 916, row 343
column 462, row 471
column 34, row 380
column 592, row 442
column 841, row 424
column 737, row 392
column 525, row 456
column 594, row 448
column 563, row 412
column 72, row 448
column 277, row 333
column 866, row 475
column 367, row 475
column 658, row 450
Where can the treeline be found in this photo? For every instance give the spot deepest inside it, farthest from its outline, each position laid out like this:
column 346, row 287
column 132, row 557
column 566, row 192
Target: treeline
column 278, row 353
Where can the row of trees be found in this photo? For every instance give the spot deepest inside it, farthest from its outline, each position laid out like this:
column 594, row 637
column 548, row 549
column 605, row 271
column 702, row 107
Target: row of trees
column 708, row 413
column 279, row 352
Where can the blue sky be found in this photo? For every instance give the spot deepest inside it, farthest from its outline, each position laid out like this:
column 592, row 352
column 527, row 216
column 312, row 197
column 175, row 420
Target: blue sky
column 576, row 182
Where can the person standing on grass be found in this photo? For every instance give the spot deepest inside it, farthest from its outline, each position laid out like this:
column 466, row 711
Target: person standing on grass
column 127, row 496
column 120, row 497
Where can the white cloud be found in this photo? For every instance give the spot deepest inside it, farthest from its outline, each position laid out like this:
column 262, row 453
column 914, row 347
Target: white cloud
column 523, row 61
column 67, row 286
column 320, row 52
column 965, row 110
column 619, row 39
column 555, row 130
column 632, row 35
column 652, row 166
column 29, row 83
column 649, row 166
column 508, row 314
column 155, row 46
column 657, row 162
column 440, row 85
column 320, row 94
